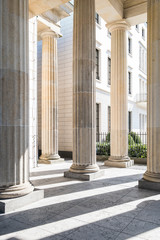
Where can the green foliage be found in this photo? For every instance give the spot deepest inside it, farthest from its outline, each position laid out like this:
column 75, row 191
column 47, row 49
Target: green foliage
column 130, row 140
column 138, row 151
column 135, row 137
column 135, row 147
column 108, row 137
column 103, row 149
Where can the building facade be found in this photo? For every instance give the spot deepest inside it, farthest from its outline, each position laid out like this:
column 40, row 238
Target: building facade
column 18, row 123
column 137, row 80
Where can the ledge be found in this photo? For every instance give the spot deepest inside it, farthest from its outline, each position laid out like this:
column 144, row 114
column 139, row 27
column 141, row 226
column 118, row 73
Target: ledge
column 9, row 205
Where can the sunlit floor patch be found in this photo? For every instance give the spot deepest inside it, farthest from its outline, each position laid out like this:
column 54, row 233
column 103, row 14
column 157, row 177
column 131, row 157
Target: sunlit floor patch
column 111, row 207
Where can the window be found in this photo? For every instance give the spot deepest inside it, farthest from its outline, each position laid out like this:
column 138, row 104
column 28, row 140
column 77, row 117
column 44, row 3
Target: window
column 97, row 18
column 97, row 64
column 129, row 83
column 109, row 118
column 142, row 90
column 129, row 121
column 145, row 123
column 145, row 62
column 142, row 58
column 130, row 46
column 142, row 123
column 145, row 88
column 109, row 71
column 137, row 28
column 140, row 86
column 97, row 122
column 143, row 33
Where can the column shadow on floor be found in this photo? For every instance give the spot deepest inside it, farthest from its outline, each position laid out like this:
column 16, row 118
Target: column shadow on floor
column 53, row 213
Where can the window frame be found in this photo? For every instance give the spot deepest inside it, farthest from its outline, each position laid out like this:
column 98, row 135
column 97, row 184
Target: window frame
column 130, row 46
column 109, row 71
column 143, row 33
column 137, row 27
column 129, row 121
column 97, row 121
column 142, row 58
column 109, row 118
column 97, row 64
column 129, row 82
column 97, row 18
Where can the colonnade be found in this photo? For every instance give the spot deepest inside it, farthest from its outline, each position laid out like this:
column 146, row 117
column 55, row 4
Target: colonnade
column 14, row 95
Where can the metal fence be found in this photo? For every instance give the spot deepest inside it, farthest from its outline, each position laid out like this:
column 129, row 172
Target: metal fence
column 137, row 144
column 103, row 143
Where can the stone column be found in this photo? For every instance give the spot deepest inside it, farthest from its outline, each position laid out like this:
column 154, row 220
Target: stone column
column 119, row 96
column 14, row 99
column 84, row 88
column 49, row 97
column 151, row 178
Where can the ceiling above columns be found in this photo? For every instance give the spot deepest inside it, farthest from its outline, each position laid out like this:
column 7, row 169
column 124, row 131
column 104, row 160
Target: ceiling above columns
column 38, row 7
column 46, row 26
column 52, row 10
column 134, row 11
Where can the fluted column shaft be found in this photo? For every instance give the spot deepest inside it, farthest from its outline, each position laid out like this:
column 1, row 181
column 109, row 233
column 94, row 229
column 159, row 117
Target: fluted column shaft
column 49, row 97
column 119, row 96
column 84, row 88
column 14, row 99
column 153, row 88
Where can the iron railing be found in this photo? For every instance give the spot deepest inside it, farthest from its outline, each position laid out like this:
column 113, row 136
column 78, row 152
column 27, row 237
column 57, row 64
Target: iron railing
column 137, row 144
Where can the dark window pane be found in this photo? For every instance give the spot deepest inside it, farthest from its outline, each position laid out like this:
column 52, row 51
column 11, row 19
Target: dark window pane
column 129, row 82
column 97, row 18
column 109, row 71
column 129, row 121
column 97, row 64
column 109, row 118
column 97, row 122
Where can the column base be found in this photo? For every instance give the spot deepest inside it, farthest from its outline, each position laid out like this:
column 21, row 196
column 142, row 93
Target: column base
column 8, row 205
column 120, row 162
column 50, row 159
column 85, row 176
column 16, row 191
column 84, row 172
column 144, row 184
column 152, row 177
column 84, row 168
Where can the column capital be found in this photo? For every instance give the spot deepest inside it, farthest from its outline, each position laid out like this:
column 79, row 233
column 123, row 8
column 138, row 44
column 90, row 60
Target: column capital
column 118, row 25
column 49, row 33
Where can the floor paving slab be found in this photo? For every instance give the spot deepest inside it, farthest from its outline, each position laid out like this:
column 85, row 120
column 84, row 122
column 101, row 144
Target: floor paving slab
column 111, row 207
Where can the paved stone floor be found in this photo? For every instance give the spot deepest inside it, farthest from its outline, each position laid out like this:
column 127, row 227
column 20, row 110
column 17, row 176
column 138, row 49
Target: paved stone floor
column 111, row 207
